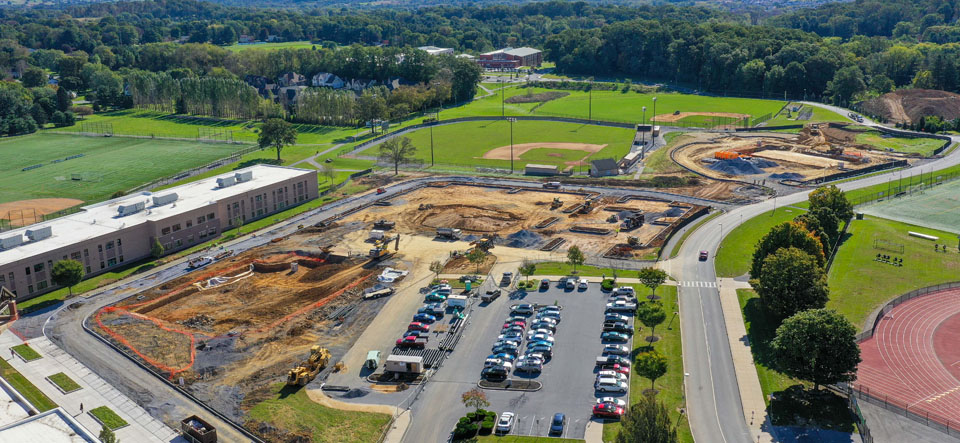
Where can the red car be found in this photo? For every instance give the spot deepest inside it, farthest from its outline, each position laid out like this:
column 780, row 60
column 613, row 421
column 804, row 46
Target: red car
column 412, row 342
column 417, row 326
column 381, row 191
column 620, row 369
column 704, row 255
column 607, row 410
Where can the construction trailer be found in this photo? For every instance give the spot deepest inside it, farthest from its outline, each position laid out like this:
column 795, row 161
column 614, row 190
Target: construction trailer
column 406, row 364
column 457, row 301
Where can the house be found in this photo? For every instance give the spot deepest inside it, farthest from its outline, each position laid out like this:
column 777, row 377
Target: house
column 359, row 84
column 433, row 50
column 604, row 167
column 245, row 39
column 292, row 79
column 327, row 80
column 262, row 84
column 511, row 58
column 288, row 95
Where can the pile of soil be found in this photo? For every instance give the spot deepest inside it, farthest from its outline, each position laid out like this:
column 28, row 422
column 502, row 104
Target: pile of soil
column 469, row 218
column 523, row 239
column 737, row 166
column 910, row 105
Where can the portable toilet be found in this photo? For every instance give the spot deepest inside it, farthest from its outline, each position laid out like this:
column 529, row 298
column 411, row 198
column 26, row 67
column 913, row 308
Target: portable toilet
column 373, row 360
column 467, row 285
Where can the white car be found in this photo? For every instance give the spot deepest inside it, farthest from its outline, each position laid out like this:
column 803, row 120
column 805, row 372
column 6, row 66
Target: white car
column 611, row 374
column 624, row 290
column 551, row 320
column 616, row 350
column 510, row 336
column 614, row 400
column 621, row 305
column 570, row 283
column 531, row 334
column 541, row 337
column 610, row 385
column 533, row 356
column 506, row 422
column 583, row 284
column 490, row 362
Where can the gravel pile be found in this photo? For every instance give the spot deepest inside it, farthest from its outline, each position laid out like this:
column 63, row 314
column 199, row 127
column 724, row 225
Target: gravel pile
column 736, row 166
column 523, row 239
column 787, row 176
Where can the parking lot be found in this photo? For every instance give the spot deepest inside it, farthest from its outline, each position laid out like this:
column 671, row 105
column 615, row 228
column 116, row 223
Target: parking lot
column 567, row 379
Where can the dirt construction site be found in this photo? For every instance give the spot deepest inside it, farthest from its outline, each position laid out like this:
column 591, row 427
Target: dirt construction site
column 626, row 227
column 817, row 151
column 232, row 329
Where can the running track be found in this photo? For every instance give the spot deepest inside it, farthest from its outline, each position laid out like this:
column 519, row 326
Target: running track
column 913, row 358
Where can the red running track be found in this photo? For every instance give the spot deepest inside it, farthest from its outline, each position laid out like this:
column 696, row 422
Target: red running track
column 913, row 358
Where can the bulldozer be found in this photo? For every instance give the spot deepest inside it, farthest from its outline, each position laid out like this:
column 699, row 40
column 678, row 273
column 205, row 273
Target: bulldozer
column 557, row 203
column 308, row 370
column 485, row 243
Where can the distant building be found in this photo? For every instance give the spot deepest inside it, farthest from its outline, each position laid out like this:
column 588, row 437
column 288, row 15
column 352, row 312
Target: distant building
column 511, row 58
column 433, row 50
column 542, row 170
column 292, row 79
column 245, row 39
column 327, row 80
column 466, row 56
column 289, row 95
column 604, row 167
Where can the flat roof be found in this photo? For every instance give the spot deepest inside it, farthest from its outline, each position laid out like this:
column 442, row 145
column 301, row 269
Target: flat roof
column 103, row 218
column 53, row 426
column 535, row 166
column 11, row 410
column 522, row 52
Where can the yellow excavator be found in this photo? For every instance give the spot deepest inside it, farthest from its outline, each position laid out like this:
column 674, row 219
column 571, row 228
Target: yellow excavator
column 308, row 370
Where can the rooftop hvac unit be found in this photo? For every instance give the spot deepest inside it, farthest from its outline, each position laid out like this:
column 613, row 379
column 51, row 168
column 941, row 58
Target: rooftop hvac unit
column 39, row 233
column 244, row 176
column 125, row 210
column 226, row 181
column 11, row 242
column 161, row 200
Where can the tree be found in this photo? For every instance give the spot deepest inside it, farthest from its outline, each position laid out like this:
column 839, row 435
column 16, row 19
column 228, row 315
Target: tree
column 156, row 249
column 924, row 80
column 786, row 235
column 833, row 198
column 475, row 398
column 575, row 257
column 107, row 435
column 527, row 268
column 64, row 101
column 823, row 223
column 327, row 172
column 67, row 273
column 396, row 152
column 817, row 345
column 652, row 278
column 33, row 77
column 846, row 83
column 277, row 133
column 651, row 314
column 647, row 421
column 792, row 281
column 651, row 365
column 477, row 256
column 436, row 268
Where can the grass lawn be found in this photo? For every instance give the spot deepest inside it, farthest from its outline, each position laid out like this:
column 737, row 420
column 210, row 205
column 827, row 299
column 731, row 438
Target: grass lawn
column 859, row 285
column 65, row 383
column 25, row 388
column 522, row 439
column 26, row 352
column 290, row 409
column 671, row 384
column 922, row 146
column 617, row 106
column 108, row 418
column 690, row 230
column 659, row 161
column 557, row 268
column 305, row 44
column 549, row 155
column 55, row 297
column 792, row 398
column 105, row 166
column 464, row 143
column 819, row 115
column 736, row 250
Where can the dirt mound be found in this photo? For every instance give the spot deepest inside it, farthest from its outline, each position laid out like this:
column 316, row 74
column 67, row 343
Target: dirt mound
column 523, row 239
column 787, row 176
column 909, row 105
column 737, row 166
column 469, row 218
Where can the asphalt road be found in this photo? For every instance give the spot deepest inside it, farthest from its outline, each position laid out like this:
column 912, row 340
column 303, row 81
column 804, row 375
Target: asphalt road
column 713, row 399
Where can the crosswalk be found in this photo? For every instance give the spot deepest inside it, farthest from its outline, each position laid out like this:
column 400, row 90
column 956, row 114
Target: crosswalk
column 698, row 284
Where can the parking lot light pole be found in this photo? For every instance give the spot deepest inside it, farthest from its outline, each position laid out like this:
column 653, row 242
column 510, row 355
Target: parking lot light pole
column 511, row 120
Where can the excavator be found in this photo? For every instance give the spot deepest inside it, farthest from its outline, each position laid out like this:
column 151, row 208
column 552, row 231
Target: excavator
column 557, row 203
column 308, row 370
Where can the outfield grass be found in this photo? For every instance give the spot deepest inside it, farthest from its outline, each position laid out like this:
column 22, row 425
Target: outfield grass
column 26, row 352
column 30, row 392
column 108, row 418
column 304, row 44
column 465, row 143
column 859, row 285
column 549, row 155
column 290, row 409
column 819, row 115
column 736, row 251
column 671, row 384
column 65, row 383
column 690, row 230
column 106, row 165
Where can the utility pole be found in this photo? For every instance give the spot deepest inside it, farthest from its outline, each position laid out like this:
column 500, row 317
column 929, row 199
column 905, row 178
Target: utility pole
column 654, row 118
column 511, row 120
column 502, row 111
column 431, row 145
column 643, row 135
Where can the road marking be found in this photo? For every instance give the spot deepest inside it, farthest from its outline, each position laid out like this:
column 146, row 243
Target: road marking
column 713, row 385
column 698, row 284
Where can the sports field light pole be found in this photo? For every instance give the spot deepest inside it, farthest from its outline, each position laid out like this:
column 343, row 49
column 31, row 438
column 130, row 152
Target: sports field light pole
column 654, row 118
column 502, row 112
column 643, row 135
column 511, row 120
column 431, row 145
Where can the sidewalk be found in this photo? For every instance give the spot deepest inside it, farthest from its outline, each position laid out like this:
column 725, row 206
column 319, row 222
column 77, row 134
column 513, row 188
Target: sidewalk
column 751, row 395
column 94, row 392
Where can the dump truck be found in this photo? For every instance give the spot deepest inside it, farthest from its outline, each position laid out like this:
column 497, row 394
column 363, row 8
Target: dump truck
column 632, row 221
column 384, row 224
column 197, row 430
column 451, row 233
column 308, row 370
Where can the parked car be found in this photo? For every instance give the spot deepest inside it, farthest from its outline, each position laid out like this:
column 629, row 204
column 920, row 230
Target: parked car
column 517, row 319
column 533, row 356
column 549, row 314
column 607, row 410
column 415, row 334
column 530, row 365
column 583, row 284
column 549, row 308
column 704, row 255
column 534, row 331
column 613, row 359
column 545, row 284
column 412, row 342
column 490, row 295
column 506, row 349
column 500, row 343
column 616, row 350
column 512, row 328
column 624, row 290
column 435, row 297
column 503, row 356
column 621, row 305
column 613, row 400
column 542, row 338
column 510, row 335
column 618, row 327
column 493, row 361
column 610, row 385
column 494, row 373
column 544, row 326
column 614, row 336
column 548, row 319
column 539, row 343
column 611, row 374
column 615, row 317
column 524, row 309
column 557, row 424
column 505, row 424
column 424, row 318
column 546, row 351
column 417, row 326
column 616, row 368
column 570, row 283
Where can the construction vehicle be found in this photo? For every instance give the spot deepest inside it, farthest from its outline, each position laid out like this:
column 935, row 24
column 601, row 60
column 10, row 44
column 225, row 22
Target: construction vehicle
column 557, row 203
column 308, row 370
column 384, row 225
column 381, row 247
column 451, row 233
column 424, row 206
column 587, row 207
column 485, row 243
column 197, row 430
column 199, row 262
column 632, row 221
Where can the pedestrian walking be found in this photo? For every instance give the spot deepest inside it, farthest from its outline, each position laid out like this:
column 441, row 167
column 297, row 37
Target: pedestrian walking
column 81, row 408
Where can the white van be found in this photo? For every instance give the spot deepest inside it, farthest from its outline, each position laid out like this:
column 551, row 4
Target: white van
column 624, row 290
column 610, row 385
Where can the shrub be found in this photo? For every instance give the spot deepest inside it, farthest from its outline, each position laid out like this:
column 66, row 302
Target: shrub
column 463, row 421
column 486, row 427
column 607, row 284
column 472, row 416
column 492, row 416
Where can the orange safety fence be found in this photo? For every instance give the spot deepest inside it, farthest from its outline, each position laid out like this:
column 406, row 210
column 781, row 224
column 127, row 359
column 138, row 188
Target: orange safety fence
column 116, row 336
column 726, row 155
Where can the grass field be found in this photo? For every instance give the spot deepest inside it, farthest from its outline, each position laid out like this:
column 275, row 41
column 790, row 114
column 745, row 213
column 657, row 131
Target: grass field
column 25, row 388
column 659, row 161
column 108, row 418
column 736, row 250
column 464, row 143
column 277, row 45
column 922, row 146
column 291, row 409
column 671, row 384
column 859, row 285
column 106, row 165
column 65, row 383
column 26, row 352
column 934, row 207
column 819, row 115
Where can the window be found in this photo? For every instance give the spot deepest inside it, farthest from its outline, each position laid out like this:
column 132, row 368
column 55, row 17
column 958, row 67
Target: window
column 179, row 243
column 11, row 277
column 99, row 248
column 259, row 212
column 49, row 264
column 118, row 242
column 38, row 267
column 190, row 238
column 89, row 270
column 210, row 215
column 30, row 289
column 27, row 270
column 258, row 198
column 189, row 223
column 212, row 231
column 75, row 255
column 165, row 231
column 2, row 280
column 109, row 245
column 102, row 265
column 201, row 219
column 112, row 262
column 42, row 285
column 203, row 234
column 176, row 227
column 121, row 259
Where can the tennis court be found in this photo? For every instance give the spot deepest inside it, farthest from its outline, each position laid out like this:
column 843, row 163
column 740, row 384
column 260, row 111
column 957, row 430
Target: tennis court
column 934, row 207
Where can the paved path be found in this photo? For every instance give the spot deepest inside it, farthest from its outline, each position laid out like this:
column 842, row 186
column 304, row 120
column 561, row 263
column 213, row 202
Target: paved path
column 313, row 159
column 94, row 392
